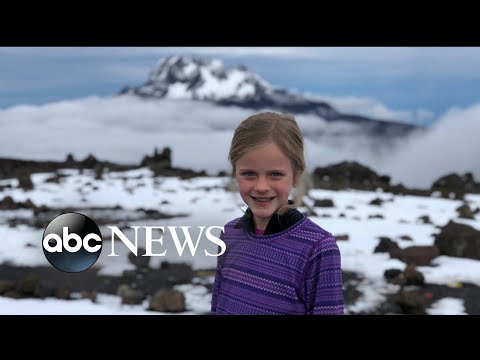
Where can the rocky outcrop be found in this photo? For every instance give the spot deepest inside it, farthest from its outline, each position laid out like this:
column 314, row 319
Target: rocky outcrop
column 457, row 185
column 459, row 240
column 348, row 175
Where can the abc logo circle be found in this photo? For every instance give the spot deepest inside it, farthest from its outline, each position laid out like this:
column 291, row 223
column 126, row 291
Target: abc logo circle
column 72, row 242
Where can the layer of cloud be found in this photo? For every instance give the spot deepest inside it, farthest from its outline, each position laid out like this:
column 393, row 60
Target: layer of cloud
column 451, row 145
column 124, row 129
column 370, row 107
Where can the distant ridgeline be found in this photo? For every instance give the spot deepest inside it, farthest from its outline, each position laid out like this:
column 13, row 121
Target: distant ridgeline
column 159, row 163
column 183, row 77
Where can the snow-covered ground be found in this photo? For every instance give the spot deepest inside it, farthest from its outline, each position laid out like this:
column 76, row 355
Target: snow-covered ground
column 206, row 201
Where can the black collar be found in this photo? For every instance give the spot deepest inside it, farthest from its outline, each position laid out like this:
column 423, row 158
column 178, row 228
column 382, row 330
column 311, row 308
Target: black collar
column 276, row 223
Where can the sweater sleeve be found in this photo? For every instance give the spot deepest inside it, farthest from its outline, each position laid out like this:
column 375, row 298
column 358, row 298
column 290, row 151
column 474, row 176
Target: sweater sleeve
column 323, row 280
column 217, row 281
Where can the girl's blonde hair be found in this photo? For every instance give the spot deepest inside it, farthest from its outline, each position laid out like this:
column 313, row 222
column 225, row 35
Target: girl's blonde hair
column 281, row 129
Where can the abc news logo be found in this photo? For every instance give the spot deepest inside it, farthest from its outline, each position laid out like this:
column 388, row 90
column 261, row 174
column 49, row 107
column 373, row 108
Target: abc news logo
column 72, row 242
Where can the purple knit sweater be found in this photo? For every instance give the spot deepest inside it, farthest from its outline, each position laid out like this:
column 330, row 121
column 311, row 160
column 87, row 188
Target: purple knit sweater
column 294, row 272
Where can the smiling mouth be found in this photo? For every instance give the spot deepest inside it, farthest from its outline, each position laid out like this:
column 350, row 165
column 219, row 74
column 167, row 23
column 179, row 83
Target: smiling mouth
column 263, row 199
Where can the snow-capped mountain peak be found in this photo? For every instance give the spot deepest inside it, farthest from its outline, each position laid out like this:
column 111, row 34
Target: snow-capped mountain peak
column 187, row 77
column 190, row 77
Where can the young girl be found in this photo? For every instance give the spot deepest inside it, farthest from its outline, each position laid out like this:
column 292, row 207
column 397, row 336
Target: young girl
column 277, row 261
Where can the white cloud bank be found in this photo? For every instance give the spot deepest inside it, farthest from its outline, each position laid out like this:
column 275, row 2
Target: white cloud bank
column 124, row 129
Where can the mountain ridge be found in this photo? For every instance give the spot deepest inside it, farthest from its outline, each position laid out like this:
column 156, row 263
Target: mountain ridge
column 195, row 78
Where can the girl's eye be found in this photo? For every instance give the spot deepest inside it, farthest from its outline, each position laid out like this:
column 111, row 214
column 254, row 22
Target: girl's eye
column 248, row 173
column 276, row 174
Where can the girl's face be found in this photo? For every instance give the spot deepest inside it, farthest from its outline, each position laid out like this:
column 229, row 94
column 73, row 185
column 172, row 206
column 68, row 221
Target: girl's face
column 265, row 178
